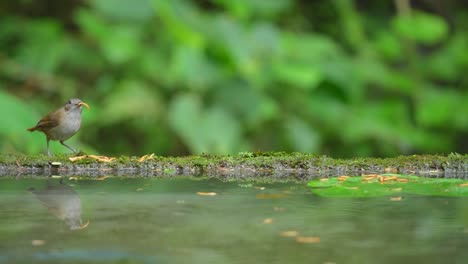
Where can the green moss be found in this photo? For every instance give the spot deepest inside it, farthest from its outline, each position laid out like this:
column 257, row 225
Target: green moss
column 254, row 164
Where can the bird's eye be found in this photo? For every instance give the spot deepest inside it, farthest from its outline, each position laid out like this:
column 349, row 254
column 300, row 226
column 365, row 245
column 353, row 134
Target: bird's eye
column 69, row 102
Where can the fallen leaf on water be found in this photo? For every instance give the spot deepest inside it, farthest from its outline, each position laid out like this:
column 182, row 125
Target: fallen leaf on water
column 390, row 178
column 343, row 178
column 289, row 233
column 268, row 221
column 403, row 180
column 101, row 178
column 279, row 209
column 463, row 185
column 369, row 177
column 206, row 193
column 270, row 195
column 146, row 157
column 397, row 189
column 37, row 242
column 307, row 240
column 397, row 198
column 260, row 188
column 56, row 176
column 324, row 179
column 73, row 178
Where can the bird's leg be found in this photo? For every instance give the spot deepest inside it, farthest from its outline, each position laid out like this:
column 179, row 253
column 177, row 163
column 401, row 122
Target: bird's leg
column 70, row 148
column 48, row 151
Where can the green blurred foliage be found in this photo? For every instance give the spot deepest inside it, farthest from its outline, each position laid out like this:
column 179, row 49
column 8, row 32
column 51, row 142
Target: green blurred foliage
column 342, row 77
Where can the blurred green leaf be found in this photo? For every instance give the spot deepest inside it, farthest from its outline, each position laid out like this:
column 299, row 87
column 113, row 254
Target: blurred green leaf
column 421, row 27
column 131, row 99
column 301, row 136
column 13, row 126
column 124, row 9
column 439, row 107
column 119, row 44
column 191, row 68
column 210, row 130
column 176, row 15
column 389, row 46
column 245, row 9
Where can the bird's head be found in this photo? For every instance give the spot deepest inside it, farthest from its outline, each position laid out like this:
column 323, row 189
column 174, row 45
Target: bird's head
column 75, row 104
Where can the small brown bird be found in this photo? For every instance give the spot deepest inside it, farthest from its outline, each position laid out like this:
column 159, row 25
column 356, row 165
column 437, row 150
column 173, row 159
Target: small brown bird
column 62, row 123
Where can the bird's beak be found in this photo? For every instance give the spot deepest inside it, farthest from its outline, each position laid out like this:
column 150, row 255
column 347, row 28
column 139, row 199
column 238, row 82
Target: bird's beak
column 84, row 104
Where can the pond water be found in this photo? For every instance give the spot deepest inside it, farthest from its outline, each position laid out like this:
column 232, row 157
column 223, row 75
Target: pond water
column 151, row 220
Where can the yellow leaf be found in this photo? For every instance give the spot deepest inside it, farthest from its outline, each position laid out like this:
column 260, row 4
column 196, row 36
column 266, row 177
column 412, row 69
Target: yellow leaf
column 307, row 240
column 289, row 233
column 146, row 157
column 37, row 242
column 206, row 193
column 343, row 178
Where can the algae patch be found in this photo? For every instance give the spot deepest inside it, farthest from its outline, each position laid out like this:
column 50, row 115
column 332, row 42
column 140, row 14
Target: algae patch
column 387, row 185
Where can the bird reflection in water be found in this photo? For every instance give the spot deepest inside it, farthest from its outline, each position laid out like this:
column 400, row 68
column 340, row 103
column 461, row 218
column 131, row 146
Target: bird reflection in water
column 63, row 202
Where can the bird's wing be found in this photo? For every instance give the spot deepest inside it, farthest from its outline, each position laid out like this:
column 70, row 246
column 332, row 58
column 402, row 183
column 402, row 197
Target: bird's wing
column 48, row 121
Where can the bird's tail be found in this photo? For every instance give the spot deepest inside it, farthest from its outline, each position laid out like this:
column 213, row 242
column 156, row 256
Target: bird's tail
column 31, row 129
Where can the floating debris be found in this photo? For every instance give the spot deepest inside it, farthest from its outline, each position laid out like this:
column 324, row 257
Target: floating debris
column 307, row 240
column 289, row 233
column 268, row 221
column 206, row 193
column 279, row 209
column 38, row 242
column 397, row 198
column 343, row 178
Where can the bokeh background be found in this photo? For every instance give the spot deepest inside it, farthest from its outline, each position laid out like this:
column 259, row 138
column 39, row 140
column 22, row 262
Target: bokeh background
column 340, row 77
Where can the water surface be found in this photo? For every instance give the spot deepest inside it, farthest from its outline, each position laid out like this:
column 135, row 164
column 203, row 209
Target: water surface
column 150, row 220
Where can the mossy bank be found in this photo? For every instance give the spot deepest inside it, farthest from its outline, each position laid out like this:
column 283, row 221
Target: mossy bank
column 249, row 165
